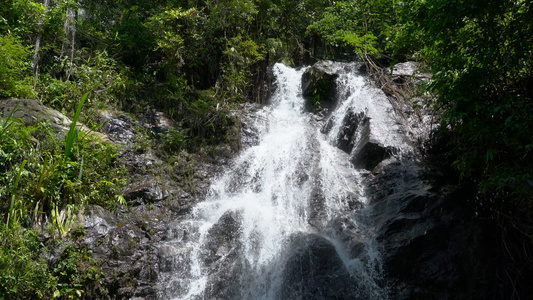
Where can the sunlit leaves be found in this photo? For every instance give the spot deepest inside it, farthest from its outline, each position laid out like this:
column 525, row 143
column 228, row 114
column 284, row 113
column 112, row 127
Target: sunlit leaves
column 364, row 26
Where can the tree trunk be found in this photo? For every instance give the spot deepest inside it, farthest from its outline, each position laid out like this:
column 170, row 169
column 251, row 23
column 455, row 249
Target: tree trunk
column 70, row 38
column 36, row 54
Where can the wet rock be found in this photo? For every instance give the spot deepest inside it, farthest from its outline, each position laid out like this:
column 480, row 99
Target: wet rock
column 120, row 127
column 346, row 139
column 432, row 246
column 124, row 242
column 156, row 122
column 223, row 237
column 226, row 282
column 226, row 267
column 318, row 208
column 405, row 69
column 319, row 87
column 249, row 135
column 370, row 155
column 368, row 151
column 328, row 125
column 313, row 270
column 408, row 69
column 148, row 190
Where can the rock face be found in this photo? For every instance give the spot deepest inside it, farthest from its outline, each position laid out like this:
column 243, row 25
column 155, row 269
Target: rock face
column 319, row 87
column 313, row 269
column 129, row 240
column 367, row 151
column 432, row 245
column 132, row 240
column 352, row 122
column 31, row 112
column 356, row 138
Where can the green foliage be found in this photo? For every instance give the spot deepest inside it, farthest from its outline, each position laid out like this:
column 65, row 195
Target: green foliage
column 482, row 61
column 14, row 64
column 364, row 26
column 37, row 177
column 76, row 272
column 26, row 275
column 240, row 55
column 72, row 134
column 176, row 140
column 102, row 75
column 21, row 17
column 207, row 119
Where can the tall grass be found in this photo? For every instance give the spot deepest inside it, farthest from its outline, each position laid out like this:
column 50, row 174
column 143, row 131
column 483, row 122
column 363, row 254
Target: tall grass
column 15, row 211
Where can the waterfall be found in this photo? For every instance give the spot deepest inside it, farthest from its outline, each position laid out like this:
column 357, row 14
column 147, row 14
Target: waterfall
column 287, row 218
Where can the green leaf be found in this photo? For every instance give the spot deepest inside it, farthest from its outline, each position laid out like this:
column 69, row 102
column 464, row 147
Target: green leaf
column 72, row 134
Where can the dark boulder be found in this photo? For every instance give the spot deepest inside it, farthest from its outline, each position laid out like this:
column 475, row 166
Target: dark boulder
column 368, row 151
column 148, row 190
column 370, row 155
column 313, row 271
column 222, row 255
column 352, row 121
column 319, row 87
column 223, row 237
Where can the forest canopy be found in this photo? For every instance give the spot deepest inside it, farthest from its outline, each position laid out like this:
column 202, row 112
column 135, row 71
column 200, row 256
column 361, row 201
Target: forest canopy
column 190, row 57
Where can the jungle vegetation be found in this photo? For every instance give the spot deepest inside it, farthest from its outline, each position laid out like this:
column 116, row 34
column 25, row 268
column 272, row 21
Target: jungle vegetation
column 195, row 60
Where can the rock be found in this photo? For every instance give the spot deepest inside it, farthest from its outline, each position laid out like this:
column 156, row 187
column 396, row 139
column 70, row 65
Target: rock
column 346, row 139
column 313, row 269
column 31, row 112
column 124, row 242
column 409, row 69
column 319, row 87
column 148, row 191
column 120, row 128
column 132, row 241
column 431, row 245
column 370, row 154
column 248, row 134
column 156, row 122
column 223, row 237
column 367, row 152
column 221, row 255
column 405, row 69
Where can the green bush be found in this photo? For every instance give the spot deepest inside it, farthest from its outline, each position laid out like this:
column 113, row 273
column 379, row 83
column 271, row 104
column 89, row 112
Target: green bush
column 26, row 274
column 49, row 181
column 99, row 73
column 482, row 65
column 15, row 69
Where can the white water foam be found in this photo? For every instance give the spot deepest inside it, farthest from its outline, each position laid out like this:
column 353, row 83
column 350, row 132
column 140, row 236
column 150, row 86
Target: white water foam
column 294, row 181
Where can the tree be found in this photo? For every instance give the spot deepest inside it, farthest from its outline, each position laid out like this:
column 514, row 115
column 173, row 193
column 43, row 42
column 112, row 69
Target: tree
column 15, row 80
column 481, row 55
column 363, row 26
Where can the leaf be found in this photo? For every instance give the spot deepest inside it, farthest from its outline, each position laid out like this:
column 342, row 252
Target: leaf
column 73, row 132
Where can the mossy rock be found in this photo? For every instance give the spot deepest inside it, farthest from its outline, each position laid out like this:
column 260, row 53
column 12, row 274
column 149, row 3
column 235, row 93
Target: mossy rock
column 32, row 112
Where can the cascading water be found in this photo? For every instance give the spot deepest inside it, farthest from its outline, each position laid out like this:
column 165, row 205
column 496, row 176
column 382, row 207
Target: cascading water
column 286, row 220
